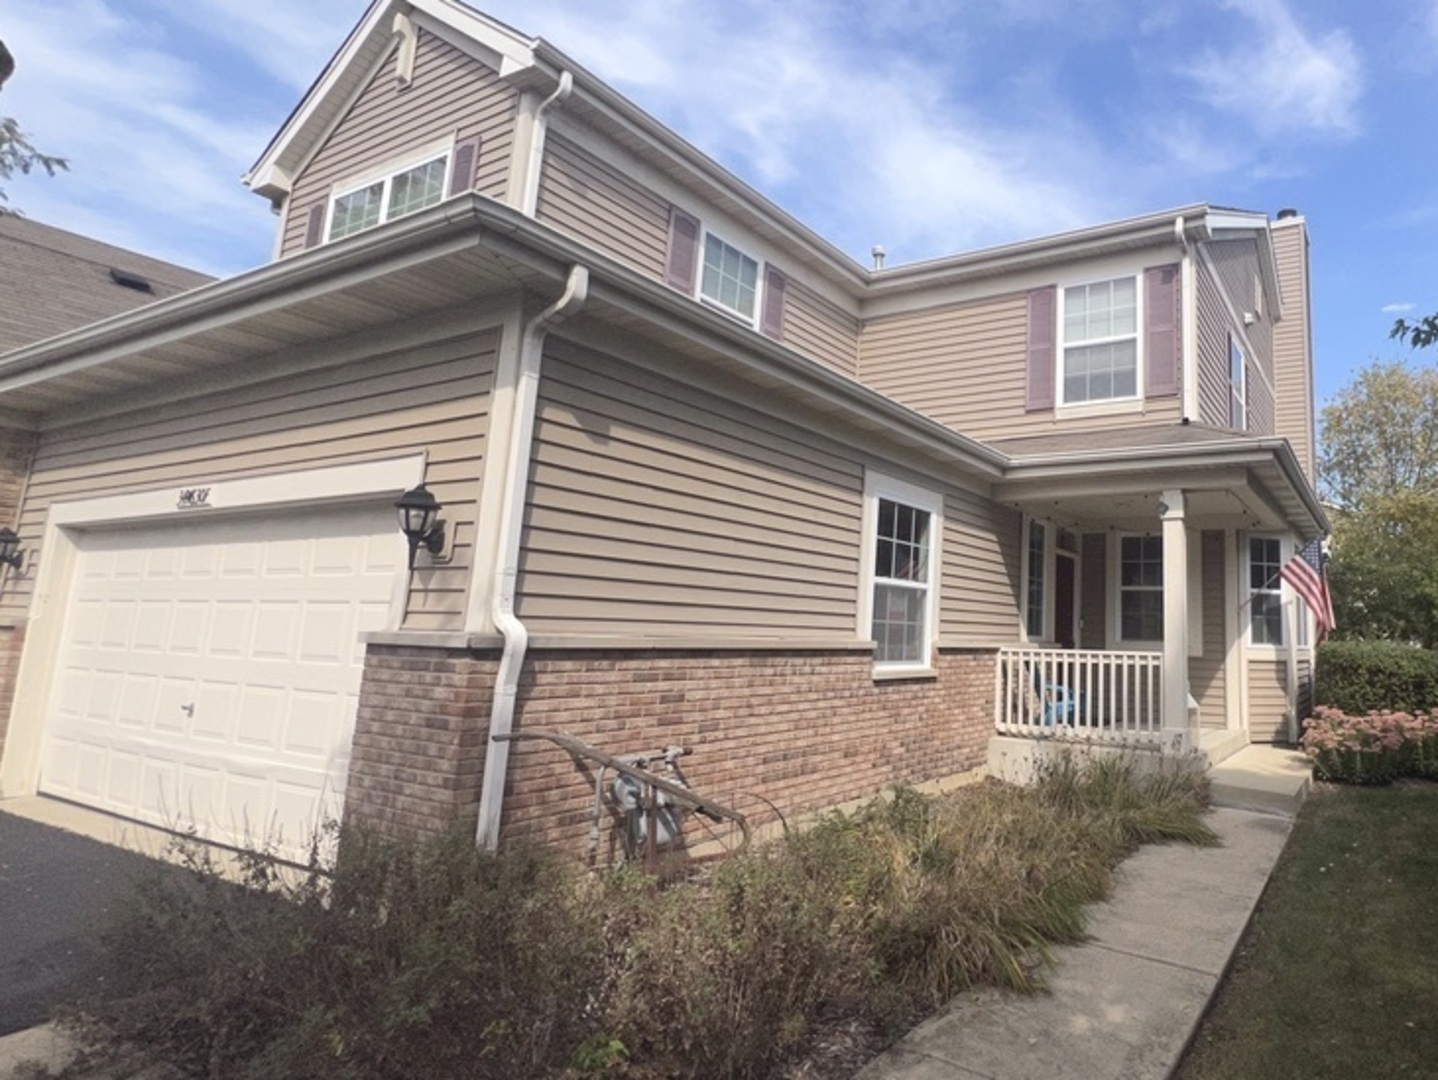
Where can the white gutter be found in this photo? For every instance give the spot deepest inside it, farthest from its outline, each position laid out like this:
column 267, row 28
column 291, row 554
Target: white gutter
column 529, row 200
column 506, row 556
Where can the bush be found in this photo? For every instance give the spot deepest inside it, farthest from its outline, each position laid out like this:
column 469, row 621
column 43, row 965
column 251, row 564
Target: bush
column 439, row 961
column 1373, row 748
column 1360, row 676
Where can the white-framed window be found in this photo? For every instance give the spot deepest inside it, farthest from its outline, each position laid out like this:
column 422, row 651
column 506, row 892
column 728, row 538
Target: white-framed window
column 1035, row 579
column 729, row 278
column 1099, row 341
column 901, row 552
column 1237, row 386
column 1140, row 588
column 1265, row 590
column 408, row 187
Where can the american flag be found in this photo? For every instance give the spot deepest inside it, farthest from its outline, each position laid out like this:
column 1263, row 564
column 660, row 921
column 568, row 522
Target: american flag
column 1305, row 572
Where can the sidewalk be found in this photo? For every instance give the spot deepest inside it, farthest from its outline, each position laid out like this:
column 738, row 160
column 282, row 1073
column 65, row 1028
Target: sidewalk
column 1124, row 1005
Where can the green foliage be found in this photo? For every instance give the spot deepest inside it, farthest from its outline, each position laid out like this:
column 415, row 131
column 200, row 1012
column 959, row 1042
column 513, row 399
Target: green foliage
column 1380, row 435
column 1383, row 573
column 17, row 153
column 439, row 961
column 1420, row 334
column 1361, row 676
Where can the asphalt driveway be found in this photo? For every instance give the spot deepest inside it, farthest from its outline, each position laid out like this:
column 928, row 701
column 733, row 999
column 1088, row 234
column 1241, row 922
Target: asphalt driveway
column 56, row 889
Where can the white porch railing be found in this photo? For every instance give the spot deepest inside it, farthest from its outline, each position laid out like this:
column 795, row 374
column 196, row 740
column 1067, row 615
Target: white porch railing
column 1103, row 696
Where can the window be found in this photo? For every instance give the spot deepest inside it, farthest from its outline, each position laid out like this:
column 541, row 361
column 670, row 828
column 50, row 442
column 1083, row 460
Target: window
column 1265, row 590
column 1141, row 588
column 1099, row 330
column 1237, row 387
column 903, row 526
column 411, row 188
column 1034, row 600
column 730, row 278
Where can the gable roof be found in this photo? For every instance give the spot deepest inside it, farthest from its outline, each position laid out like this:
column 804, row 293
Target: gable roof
column 53, row 281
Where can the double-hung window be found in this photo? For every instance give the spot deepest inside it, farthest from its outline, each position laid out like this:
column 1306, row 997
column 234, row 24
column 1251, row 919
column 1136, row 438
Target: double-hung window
column 730, row 278
column 1265, row 590
column 1034, row 602
column 1237, row 386
column 412, row 187
column 1141, row 588
column 904, row 526
column 1099, row 333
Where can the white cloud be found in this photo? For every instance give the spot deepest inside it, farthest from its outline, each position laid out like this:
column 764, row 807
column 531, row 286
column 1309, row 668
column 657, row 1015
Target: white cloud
column 1397, row 309
column 1281, row 78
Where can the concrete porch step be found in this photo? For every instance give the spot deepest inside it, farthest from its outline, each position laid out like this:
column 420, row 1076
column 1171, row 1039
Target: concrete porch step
column 1268, row 779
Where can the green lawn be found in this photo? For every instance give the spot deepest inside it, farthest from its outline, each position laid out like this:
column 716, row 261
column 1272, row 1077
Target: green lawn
column 1338, row 975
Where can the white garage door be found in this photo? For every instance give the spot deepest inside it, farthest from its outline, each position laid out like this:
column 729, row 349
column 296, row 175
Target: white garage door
column 209, row 670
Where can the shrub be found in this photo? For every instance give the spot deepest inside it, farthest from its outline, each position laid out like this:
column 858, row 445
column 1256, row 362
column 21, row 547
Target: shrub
column 1372, row 748
column 439, row 961
column 1359, row 676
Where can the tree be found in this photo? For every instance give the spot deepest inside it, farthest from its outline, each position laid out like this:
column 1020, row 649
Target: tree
column 1383, row 571
column 17, row 153
column 1380, row 436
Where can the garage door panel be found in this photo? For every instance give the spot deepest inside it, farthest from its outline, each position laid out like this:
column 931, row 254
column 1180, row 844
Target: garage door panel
column 210, row 670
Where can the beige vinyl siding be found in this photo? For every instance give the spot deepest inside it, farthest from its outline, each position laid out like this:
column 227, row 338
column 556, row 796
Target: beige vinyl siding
column 820, row 330
column 1211, row 337
column 1235, row 265
column 659, row 509
column 432, row 398
column 1093, row 592
column 964, row 365
column 1292, row 346
column 452, row 94
column 1268, row 699
column 593, row 202
column 1206, row 672
column 979, row 591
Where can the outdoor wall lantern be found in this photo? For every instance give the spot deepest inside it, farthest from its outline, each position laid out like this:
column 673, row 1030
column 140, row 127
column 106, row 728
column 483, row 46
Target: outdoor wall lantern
column 10, row 551
column 418, row 520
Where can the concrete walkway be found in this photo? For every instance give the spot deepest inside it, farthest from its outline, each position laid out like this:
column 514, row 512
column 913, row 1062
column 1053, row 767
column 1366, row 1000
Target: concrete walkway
column 1124, row 1005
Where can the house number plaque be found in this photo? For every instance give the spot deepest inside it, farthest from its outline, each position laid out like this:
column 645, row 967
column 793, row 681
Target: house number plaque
column 193, row 499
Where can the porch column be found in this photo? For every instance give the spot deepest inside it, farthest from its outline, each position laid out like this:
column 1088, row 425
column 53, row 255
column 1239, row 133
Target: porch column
column 1177, row 738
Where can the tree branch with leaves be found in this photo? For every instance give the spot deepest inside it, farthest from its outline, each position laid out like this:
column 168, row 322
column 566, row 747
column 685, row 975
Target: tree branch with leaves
column 18, row 155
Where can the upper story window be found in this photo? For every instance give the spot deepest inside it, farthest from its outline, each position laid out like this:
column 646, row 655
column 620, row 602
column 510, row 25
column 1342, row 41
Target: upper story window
column 903, row 526
column 1237, row 386
column 1265, row 590
column 405, row 191
column 1099, row 336
column 730, row 278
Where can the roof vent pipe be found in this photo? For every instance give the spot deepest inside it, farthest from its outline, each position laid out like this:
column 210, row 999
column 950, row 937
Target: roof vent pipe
column 878, row 253
column 1286, row 213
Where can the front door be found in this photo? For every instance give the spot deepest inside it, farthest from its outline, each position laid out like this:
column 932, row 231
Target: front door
column 1066, row 601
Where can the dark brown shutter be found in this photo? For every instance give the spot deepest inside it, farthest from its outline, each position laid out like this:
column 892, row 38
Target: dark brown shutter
column 315, row 225
column 682, row 263
column 771, row 322
column 1043, row 316
column 1163, row 316
column 462, row 166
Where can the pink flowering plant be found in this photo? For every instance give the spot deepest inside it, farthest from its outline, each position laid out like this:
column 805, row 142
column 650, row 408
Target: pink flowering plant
column 1371, row 748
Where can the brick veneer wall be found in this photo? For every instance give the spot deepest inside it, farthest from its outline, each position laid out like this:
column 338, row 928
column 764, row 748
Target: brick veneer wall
column 17, row 448
column 12, row 641
column 803, row 730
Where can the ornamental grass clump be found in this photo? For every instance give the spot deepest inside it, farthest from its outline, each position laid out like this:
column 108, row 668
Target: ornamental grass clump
column 1372, row 748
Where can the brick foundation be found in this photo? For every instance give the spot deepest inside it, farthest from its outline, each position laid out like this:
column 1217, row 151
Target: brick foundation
column 803, row 730
column 12, row 642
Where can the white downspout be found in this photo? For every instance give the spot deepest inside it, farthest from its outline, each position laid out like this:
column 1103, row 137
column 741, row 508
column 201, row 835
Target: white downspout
column 506, row 556
column 529, row 200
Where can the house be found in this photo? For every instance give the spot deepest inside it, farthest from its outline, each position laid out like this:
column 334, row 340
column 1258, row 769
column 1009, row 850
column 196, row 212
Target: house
column 704, row 480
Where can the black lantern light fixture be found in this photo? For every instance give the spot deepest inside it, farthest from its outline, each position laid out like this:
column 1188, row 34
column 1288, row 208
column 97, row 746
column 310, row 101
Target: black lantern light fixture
column 10, row 552
column 418, row 520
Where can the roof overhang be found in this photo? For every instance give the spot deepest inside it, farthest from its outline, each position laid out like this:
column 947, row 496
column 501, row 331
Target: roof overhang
column 1237, row 483
column 455, row 255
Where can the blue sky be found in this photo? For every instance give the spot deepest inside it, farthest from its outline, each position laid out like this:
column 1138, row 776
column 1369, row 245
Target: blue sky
column 930, row 126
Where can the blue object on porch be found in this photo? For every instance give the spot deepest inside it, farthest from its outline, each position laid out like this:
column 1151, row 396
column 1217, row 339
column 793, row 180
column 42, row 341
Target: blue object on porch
column 1058, row 705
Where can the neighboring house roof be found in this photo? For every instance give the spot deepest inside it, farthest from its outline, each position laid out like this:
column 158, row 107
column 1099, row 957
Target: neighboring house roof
column 52, row 281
